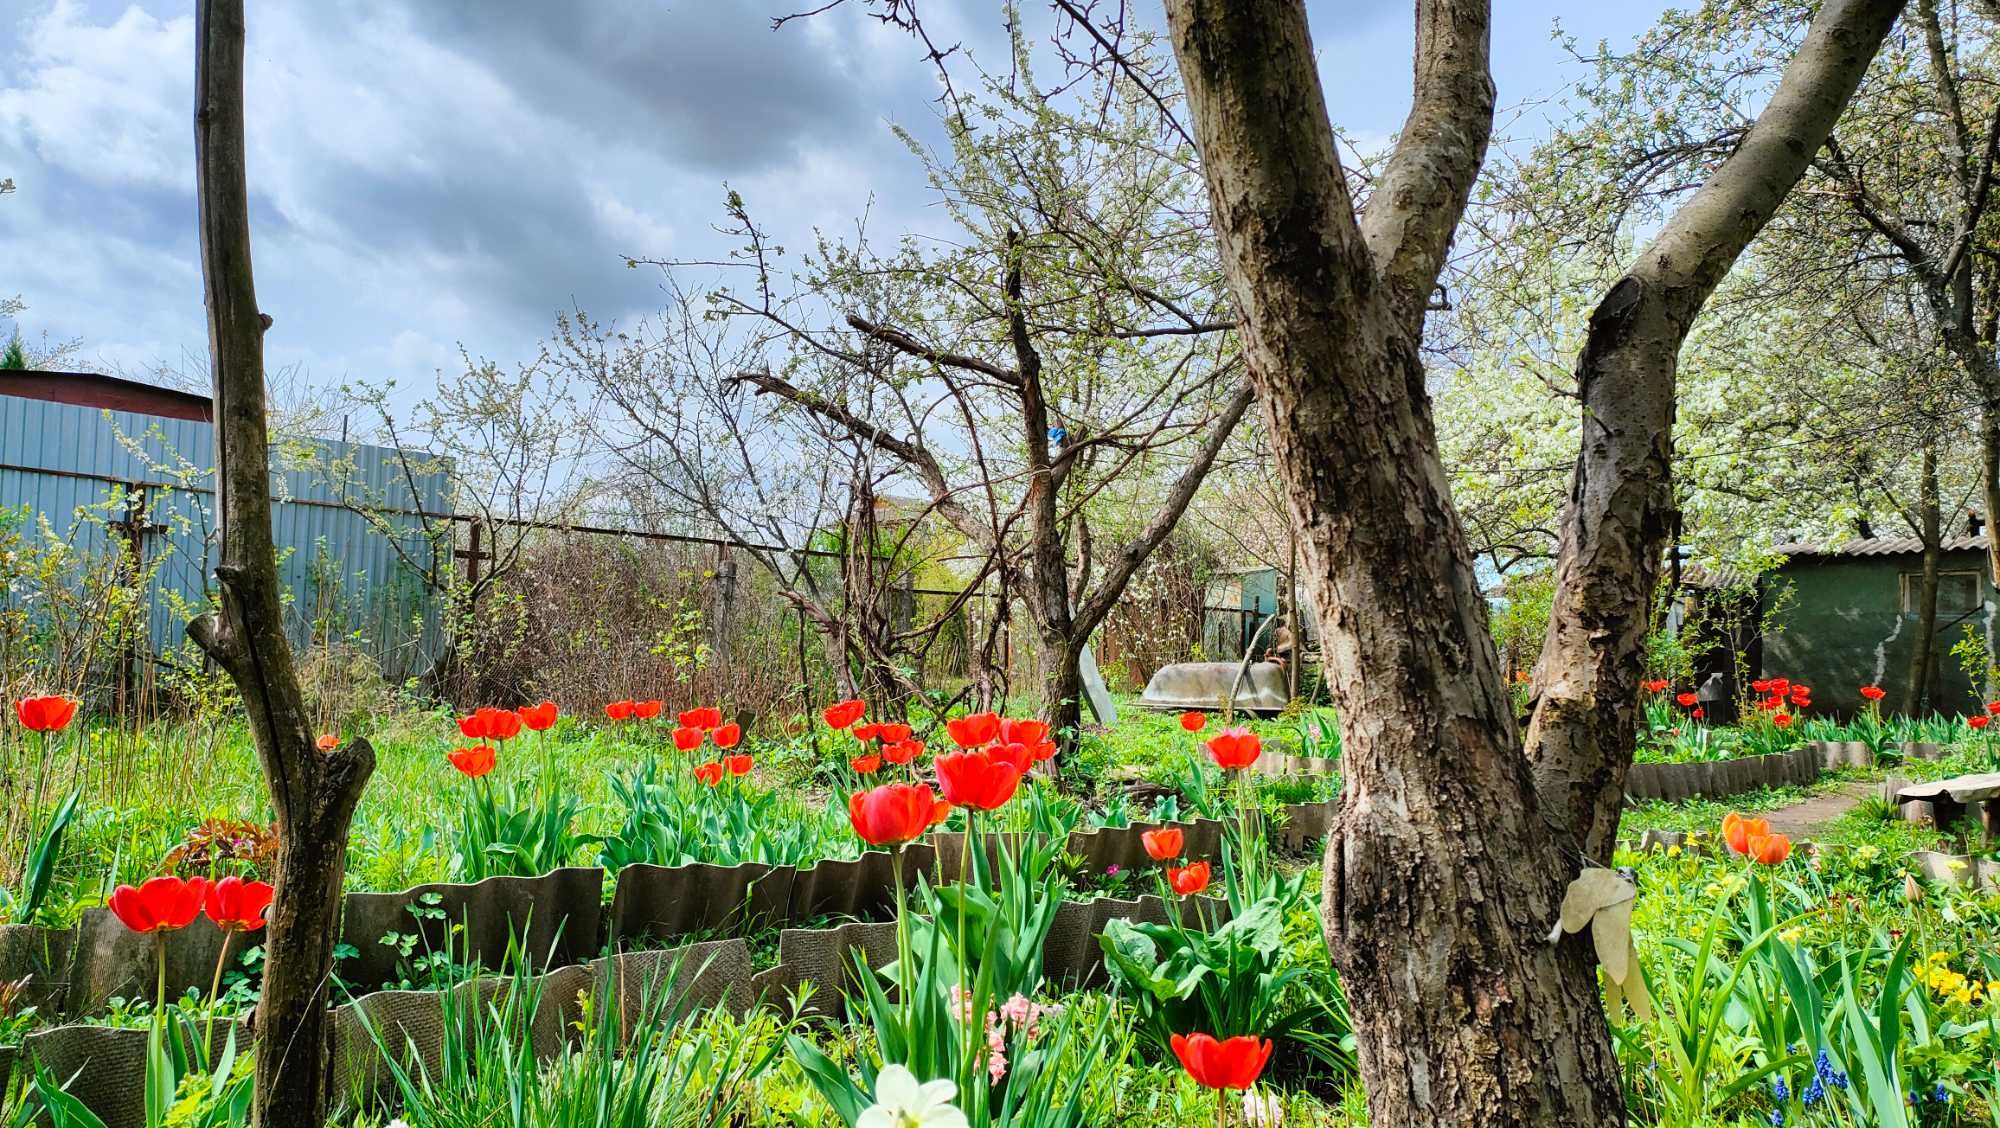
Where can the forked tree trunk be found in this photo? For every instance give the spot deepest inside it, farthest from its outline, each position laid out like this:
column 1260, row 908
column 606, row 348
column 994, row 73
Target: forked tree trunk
column 1614, row 531
column 313, row 792
column 1445, row 869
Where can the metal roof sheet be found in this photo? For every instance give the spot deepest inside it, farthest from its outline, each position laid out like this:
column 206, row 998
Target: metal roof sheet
column 1877, row 546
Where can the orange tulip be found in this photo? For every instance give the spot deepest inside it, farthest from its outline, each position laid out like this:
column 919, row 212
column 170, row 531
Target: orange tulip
column 727, row 736
column 709, row 773
column 327, row 742
column 902, row 752
column 1163, row 844
column 1737, row 831
column 866, row 765
column 1769, row 849
column 1029, row 733
column 687, row 739
column 737, row 765
column 1193, row 721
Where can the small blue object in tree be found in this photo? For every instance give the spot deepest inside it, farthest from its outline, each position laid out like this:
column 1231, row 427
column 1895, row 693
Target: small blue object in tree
column 1057, row 435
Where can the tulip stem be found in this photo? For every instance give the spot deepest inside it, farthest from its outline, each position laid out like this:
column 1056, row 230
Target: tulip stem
column 160, row 975
column 215, row 985
column 903, row 989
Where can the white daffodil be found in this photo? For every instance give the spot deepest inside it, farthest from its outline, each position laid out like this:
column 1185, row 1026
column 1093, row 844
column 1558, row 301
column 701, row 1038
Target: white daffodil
column 901, row 1101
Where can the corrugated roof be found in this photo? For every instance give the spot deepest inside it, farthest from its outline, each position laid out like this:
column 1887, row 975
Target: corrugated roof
column 1877, row 546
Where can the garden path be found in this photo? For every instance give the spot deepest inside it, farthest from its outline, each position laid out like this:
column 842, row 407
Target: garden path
column 1801, row 819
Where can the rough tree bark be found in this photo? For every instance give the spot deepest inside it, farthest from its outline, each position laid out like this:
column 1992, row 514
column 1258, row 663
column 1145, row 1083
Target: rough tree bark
column 1614, row 531
column 313, row 792
column 1444, row 872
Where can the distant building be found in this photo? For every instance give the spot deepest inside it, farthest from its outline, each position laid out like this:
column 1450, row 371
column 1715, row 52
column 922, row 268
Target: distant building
column 1846, row 616
column 110, row 464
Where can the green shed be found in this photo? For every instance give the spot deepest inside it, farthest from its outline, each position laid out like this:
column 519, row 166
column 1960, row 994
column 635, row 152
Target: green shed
column 1843, row 616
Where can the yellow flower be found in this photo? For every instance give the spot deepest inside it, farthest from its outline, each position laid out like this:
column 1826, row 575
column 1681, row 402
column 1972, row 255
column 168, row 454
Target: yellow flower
column 1791, row 935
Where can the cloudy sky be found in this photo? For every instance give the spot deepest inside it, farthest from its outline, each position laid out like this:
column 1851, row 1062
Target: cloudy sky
column 426, row 173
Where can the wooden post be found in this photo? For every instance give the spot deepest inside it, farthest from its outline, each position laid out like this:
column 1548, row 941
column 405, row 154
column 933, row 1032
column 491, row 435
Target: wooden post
column 312, row 792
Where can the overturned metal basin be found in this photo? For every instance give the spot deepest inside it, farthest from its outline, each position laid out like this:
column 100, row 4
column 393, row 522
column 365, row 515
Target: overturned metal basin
column 1205, row 685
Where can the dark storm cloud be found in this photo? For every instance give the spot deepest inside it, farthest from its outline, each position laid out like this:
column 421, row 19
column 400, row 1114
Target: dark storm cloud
column 707, row 83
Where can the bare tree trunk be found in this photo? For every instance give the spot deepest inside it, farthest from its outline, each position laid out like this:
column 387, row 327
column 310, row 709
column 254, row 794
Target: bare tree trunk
column 314, row 793
column 1930, row 531
column 1444, row 871
column 1615, row 530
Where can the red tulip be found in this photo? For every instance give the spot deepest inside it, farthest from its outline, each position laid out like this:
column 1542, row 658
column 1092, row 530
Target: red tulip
column 45, row 714
column 540, row 718
column 737, row 765
column 1232, row 1064
column 1685, row 700
column 1029, row 733
column 1874, row 692
column 1763, row 685
column 869, row 731
column 1189, row 879
column 893, row 734
column 841, row 714
column 236, row 905
column 709, row 773
column 688, row 739
column 1046, row 750
column 1235, row 749
column 1019, row 755
column 1163, row 844
column 1193, row 721
column 893, row 813
column 620, row 710
column 475, row 761
column 974, row 730
column 1655, row 685
column 903, row 752
column 1781, row 685
column 1699, row 713
column 647, row 710
column 488, row 723
column 1979, row 721
column 866, row 765
column 1782, row 720
column 977, row 780
column 160, row 904
column 1769, row 849
column 1993, row 707
column 727, row 736
column 703, row 718
column 327, row 742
